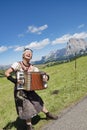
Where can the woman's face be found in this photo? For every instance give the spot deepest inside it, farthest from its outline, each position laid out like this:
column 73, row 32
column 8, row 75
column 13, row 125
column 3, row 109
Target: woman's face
column 27, row 55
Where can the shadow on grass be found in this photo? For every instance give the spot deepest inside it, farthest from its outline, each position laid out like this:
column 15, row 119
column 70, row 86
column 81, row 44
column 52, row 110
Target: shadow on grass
column 21, row 124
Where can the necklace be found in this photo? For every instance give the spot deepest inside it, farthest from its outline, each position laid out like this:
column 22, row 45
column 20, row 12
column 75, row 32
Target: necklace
column 25, row 64
column 25, row 67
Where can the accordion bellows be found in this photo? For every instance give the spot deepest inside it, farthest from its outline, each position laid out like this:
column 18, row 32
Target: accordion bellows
column 31, row 80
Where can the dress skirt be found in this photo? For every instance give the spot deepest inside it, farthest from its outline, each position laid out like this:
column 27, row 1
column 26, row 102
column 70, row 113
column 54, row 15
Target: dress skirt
column 28, row 103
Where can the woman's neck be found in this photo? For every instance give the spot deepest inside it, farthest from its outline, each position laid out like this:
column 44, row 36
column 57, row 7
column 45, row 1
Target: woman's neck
column 25, row 63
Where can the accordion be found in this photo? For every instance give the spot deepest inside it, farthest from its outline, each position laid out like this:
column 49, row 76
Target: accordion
column 31, row 80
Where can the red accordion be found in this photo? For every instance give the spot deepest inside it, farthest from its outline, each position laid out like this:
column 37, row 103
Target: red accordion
column 31, row 80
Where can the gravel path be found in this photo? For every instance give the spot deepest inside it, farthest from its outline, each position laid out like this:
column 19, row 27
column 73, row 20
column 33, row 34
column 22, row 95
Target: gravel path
column 74, row 118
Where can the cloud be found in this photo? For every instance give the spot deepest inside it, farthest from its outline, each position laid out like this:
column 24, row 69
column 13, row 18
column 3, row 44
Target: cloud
column 80, row 35
column 19, row 48
column 81, row 26
column 66, row 37
column 39, row 45
column 37, row 30
column 62, row 39
column 34, row 45
column 33, row 29
column 3, row 48
column 20, row 35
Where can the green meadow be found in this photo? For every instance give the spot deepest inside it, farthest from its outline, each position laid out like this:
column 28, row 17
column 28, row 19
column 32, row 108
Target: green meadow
column 67, row 85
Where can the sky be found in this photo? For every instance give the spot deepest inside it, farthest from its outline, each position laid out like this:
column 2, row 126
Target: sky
column 41, row 25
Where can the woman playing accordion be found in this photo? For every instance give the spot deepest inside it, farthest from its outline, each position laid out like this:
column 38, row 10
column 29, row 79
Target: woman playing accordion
column 28, row 79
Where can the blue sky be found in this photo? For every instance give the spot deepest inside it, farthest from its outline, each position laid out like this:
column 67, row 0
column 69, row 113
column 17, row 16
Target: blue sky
column 42, row 25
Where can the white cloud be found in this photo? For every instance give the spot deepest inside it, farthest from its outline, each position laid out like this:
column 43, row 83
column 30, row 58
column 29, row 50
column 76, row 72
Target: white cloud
column 34, row 45
column 81, row 26
column 20, row 35
column 62, row 39
column 80, row 35
column 37, row 30
column 39, row 45
column 66, row 37
column 33, row 29
column 19, row 48
column 3, row 48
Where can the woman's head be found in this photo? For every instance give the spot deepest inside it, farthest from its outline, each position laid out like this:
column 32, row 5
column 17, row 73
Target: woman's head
column 27, row 54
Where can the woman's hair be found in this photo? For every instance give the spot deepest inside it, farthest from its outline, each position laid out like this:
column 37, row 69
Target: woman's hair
column 27, row 49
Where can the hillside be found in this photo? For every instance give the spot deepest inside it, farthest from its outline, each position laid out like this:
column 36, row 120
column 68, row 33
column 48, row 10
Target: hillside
column 67, row 85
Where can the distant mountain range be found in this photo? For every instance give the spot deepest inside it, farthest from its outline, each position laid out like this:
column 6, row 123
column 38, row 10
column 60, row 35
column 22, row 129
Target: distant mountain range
column 74, row 47
column 53, row 56
column 3, row 67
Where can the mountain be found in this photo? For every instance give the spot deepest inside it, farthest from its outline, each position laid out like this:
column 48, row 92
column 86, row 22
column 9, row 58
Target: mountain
column 55, row 55
column 74, row 47
column 3, row 67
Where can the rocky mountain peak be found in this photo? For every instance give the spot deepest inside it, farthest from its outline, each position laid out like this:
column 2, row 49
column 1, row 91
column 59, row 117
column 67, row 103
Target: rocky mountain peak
column 75, row 46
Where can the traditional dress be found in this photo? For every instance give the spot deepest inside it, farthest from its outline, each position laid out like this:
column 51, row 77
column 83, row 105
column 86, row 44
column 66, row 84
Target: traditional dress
column 28, row 103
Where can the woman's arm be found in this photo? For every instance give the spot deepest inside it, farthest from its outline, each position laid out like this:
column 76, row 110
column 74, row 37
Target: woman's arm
column 8, row 72
column 8, row 75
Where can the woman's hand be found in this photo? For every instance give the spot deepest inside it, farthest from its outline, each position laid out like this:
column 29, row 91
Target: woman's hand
column 45, row 77
column 20, row 82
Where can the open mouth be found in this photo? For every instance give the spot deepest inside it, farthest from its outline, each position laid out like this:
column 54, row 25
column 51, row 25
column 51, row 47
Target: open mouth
column 28, row 56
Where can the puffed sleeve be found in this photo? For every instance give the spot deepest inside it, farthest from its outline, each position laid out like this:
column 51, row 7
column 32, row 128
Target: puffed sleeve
column 16, row 66
column 36, row 69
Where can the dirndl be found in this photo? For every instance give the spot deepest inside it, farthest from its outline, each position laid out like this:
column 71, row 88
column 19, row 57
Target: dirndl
column 28, row 103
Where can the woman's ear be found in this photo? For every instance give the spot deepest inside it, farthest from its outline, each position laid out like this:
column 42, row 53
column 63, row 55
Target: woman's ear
column 31, row 56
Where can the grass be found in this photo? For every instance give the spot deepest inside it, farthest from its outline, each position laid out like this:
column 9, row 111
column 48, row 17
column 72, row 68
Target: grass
column 66, row 86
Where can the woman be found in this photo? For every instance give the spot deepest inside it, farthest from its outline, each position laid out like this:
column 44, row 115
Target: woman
column 28, row 103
